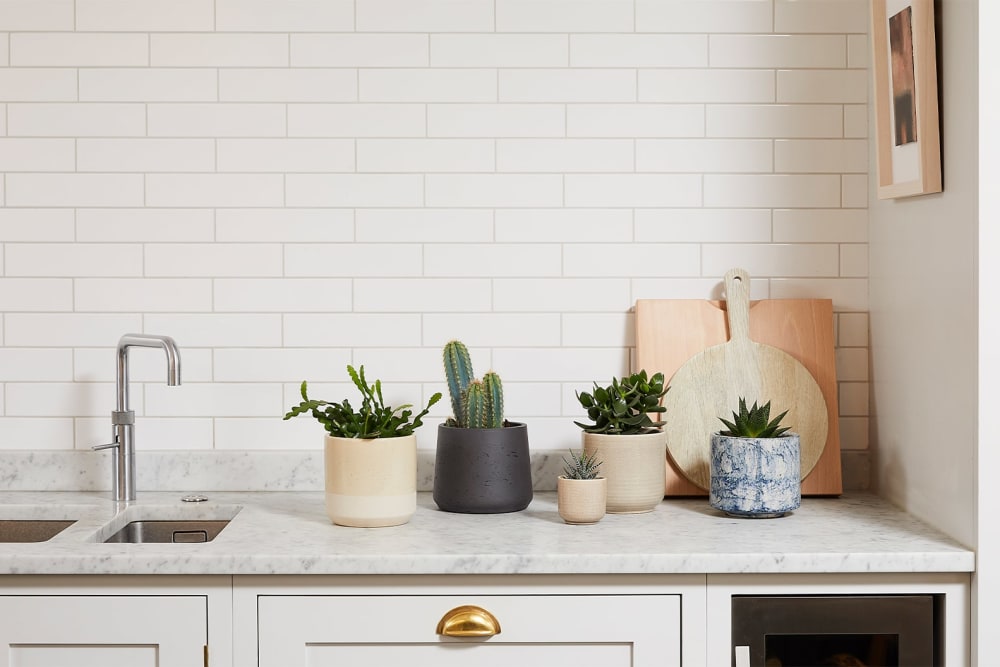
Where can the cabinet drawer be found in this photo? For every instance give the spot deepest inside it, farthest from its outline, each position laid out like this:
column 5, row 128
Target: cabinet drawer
column 535, row 630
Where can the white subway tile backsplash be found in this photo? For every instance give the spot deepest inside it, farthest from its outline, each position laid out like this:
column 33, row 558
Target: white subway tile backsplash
column 36, row 15
column 251, row 364
column 80, row 190
column 820, row 226
column 856, row 121
column 744, row 86
column 567, row 85
column 847, row 16
column 287, row 85
column 640, row 190
column 703, row 225
column 97, row 364
column 403, row 364
column 249, row 433
column 532, row 399
column 494, row 190
column 780, row 260
column 855, row 190
column 858, row 51
column 492, row 329
column 815, row 121
column 853, row 399
column 422, row 295
column 643, row 120
column 283, row 225
column 219, row 190
column 61, row 399
column 348, row 330
column 4, row 49
column 28, row 154
column 565, row 155
column 823, row 86
column 564, row 16
column 568, row 295
column 281, row 295
column 705, row 16
column 852, row 364
column 221, row 399
column 496, row 120
column 598, row 330
column 69, row 259
column 148, row 85
column 144, row 15
column 691, row 288
column 66, row 329
column 631, row 260
column 563, row 225
column 425, row 155
column 357, row 120
column 425, row 225
column 772, row 191
column 277, row 16
column 424, row 16
column 35, row 295
column 36, row 224
column 485, row 260
column 833, row 156
column 23, row 364
column 852, row 329
column 704, row 155
column 784, row 51
column 219, row 330
column 359, row 50
column 354, row 190
column 76, row 120
column 132, row 295
column 499, row 50
column 847, row 293
column 352, row 259
column 145, row 225
column 55, row 49
column 145, row 155
column 285, row 155
column 213, row 259
column 218, row 50
column 36, row 433
column 632, row 50
column 427, row 85
column 216, row 120
column 571, row 364
column 22, row 84
column 168, row 433
column 854, row 260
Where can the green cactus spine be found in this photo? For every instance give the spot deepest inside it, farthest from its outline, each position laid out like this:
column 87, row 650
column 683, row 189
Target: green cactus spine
column 494, row 400
column 475, row 405
column 458, row 371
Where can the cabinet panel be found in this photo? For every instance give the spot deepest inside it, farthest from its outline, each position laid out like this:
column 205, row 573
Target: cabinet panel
column 536, row 630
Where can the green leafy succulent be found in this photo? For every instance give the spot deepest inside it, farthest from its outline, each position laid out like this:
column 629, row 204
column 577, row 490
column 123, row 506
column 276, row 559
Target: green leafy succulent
column 753, row 423
column 374, row 419
column 623, row 408
column 581, row 466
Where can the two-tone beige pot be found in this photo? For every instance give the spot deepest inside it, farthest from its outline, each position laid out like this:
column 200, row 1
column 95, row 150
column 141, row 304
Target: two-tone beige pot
column 371, row 483
column 635, row 467
column 582, row 500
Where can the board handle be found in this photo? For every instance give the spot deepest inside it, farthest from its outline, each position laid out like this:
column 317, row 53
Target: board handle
column 738, row 304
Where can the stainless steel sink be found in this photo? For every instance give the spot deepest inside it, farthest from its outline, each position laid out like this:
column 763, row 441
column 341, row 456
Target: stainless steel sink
column 31, row 530
column 168, row 532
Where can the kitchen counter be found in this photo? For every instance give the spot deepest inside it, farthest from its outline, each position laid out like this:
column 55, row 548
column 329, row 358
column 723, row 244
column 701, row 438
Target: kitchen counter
column 288, row 533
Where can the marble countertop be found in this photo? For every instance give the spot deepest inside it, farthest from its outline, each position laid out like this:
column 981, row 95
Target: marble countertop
column 289, row 533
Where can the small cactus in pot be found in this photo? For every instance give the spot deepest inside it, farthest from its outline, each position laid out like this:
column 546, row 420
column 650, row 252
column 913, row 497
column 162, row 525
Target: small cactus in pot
column 582, row 494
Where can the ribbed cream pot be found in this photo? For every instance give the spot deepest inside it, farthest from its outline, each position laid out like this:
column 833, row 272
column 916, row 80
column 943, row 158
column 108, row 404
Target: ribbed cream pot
column 371, row 483
column 635, row 467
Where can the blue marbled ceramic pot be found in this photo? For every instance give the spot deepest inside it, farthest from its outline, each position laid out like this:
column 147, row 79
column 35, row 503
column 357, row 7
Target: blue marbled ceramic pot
column 755, row 477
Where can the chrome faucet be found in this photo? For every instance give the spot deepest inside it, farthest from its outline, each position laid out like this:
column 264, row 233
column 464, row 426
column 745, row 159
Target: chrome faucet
column 123, row 418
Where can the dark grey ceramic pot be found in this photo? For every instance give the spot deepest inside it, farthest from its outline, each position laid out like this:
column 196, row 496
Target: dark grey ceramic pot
column 482, row 470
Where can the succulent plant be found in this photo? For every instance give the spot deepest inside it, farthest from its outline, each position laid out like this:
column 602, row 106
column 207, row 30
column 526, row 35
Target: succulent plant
column 374, row 419
column 623, row 407
column 753, row 423
column 474, row 403
column 581, row 466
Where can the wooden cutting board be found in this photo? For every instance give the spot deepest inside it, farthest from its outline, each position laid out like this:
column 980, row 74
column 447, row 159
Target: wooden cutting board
column 669, row 332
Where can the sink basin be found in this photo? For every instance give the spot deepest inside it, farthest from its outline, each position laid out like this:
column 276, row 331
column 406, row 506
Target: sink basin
column 168, row 532
column 31, row 530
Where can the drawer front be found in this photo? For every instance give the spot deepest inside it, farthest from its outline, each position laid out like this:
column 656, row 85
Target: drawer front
column 535, row 630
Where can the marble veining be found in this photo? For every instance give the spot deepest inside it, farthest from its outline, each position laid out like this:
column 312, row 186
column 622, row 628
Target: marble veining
column 289, row 533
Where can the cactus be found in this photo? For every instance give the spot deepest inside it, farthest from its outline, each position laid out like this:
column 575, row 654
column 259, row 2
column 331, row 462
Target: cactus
column 482, row 399
column 458, row 371
column 475, row 405
column 493, row 389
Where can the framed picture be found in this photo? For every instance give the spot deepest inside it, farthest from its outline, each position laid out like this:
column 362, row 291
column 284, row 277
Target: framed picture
column 908, row 146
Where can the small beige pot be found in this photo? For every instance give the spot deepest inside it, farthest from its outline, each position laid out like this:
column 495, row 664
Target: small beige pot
column 582, row 500
column 371, row 483
column 635, row 467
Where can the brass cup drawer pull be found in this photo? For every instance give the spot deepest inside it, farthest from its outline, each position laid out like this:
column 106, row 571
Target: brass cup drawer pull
column 468, row 621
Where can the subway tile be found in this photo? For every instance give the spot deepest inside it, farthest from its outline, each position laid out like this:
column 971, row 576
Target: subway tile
column 347, row 330
column 496, row 120
column 172, row 433
column 854, row 260
column 76, row 120
column 357, row 120
column 782, row 260
column 283, row 225
column 255, row 364
column 109, row 84
column 855, row 190
column 690, row 288
column 354, row 190
column 218, row 50
column 813, row 121
column 856, row 121
column 281, row 295
column 402, row 364
column 564, row 16
column 630, row 120
column 288, row 85
column 145, row 155
column 427, row 85
column 61, row 399
column 67, row 329
column 774, row 51
column 499, row 50
column 696, row 86
column 627, row 260
column 424, row 16
column 595, row 50
column 532, row 399
column 29, row 154
column 704, row 155
column 567, row 85
column 424, row 225
column 821, row 156
column 492, row 329
column 36, row 433
column 847, row 293
column 139, row 295
column 615, row 330
column 421, row 295
column 27, row 84
column 702, row 225
column 858, row 51
column 820, row 226
column 852, row 364
column 80, row 190
column 565, row 155
column 853, row 399
column 265, row 433
column 24, row 364
column 72, row 259
column 823, row 86
column 145, row 15
column 707, row 16
column 279, row 16
column 425, row 155
column 494, row 190
column 213, row 259
column 350, row 260
column 487, row 260
column 36, row 224
column 566, row 363
column 563, row 225
column 35, row 295
column 360, row 50
column 216, row 120
column 821, row 16
column 852, row 329
column 3, row 119
column 97, row 364
column 854, row 433
column 285, row 155
column 144, row 225
column 767, row 191
column 633, row 190
column 214, row 190
column 4, row 49
column 61, row 49
column 229, row 399
column 218, row 330
column 21, row 15
column 564, row 295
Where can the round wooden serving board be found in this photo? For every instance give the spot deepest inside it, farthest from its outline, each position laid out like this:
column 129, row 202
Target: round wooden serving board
column 710, row 384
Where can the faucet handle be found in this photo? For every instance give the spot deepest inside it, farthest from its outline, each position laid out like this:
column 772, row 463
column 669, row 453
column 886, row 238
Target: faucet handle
column 109, row 445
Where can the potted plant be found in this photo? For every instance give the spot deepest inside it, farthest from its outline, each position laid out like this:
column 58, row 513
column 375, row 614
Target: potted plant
column 482, row 464
column 370, row 455
column 628, row 441
column 755, row 465
column 582, row 495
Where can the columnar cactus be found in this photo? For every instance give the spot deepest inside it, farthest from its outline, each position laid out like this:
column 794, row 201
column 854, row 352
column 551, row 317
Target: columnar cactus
column 475, row 403
column 493, row 389
column 458, row 372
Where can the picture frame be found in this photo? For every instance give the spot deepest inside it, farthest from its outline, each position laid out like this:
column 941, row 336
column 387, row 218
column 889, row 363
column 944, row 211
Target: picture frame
column 907, row 135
